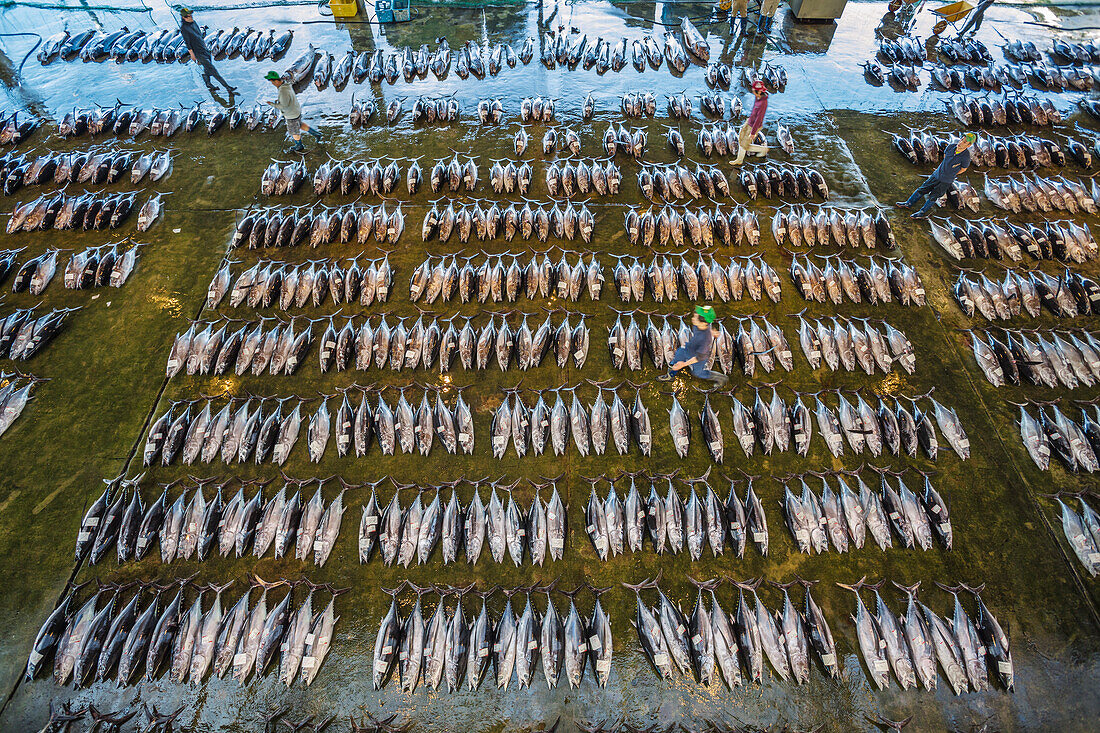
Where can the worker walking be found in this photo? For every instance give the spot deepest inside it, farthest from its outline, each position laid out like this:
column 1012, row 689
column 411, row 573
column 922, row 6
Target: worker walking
column 287, row 103
column 974, row 21
column 200, row 54
column 747, row 137
column 696, row 352
column 956, row 159
column 767, row 15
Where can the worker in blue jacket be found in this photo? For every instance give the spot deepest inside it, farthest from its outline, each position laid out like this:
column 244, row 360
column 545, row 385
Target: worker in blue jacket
column 695, row 354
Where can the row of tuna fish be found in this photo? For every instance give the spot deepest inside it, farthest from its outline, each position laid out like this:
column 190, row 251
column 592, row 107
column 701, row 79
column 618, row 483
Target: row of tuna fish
column 1076, row 53
column 798, row 226
column 86, row 167
column 1053, row 358
column 14, row 131
column 97, row 267
column 402, row 535
column 1083, row 533
column 902, row 77
column 1066, row 240
column 564, row 178
column 881, row 280
column 997, row 77
column 1077, row 446
column 845, row 517
column 847, row 346
column 1014, row 109
column 1041, row 194
column 773, row 424
column 615, row 526
column 241, row 432
column 33, row 275
column 517, row 425
column 664, row 279
column 710, row 642
column 448, row 647
column 197, row 528
column 534, row 220
column 961, row 196
column 963, row 51
column 993, row 151
column 969, row 650
column 92, row 644
column 669, row 183
column 491, row 279
column 568, row 49
column 317, row 225
column 122, row 120
column 698, row 227
column 163, row 45
column 15, row 392
column 289, row 285
column 1023, row 291
column 87, row 211
column 23, row 333
column 365, row 345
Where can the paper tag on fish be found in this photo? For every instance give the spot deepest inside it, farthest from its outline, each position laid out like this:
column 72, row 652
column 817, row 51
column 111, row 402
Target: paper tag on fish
column 680, row 629
column 142, row 542
column 308, row 662
column 660, row 659
column 1004, row 667
column 894, row 516
column 372, row 521
column 403, row 656
column 828, row 659
column 594, row 643
column 880, row 666
column 696, row 639
column 496, row 648
column 759, row 536
column 945, row 528
column 387, row 650
column 1094, row 557
column 318, row 545
column 882, row 643
column 532, row 644
column 483, row 652
column 173, row 363
column 556, row 544
column 935, row 509
column 239, row 659
column 93, row 521
column 83, row 536
column 604, row 665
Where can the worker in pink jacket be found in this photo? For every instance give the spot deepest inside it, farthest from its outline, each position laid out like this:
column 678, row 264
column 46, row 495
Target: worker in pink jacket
column 749, row 140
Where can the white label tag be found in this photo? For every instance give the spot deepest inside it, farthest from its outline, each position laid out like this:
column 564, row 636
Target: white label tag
column 828, row 659
column 1004, row 667
column 880, row 666
column 532, row 644
column 759, row 536
column 603, row 665
column 92, row 522
column 308, row 662
column 239, row 659
column 660, row 659
column 594, row 643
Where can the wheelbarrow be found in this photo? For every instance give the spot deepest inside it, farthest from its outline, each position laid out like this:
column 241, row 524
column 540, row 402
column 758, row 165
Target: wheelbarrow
column 950, row 14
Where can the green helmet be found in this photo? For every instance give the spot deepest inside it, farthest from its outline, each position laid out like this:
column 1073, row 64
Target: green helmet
column 706, row 313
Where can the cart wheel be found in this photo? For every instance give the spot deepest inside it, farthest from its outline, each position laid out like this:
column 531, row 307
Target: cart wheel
column 939, row 27
column 894, row 5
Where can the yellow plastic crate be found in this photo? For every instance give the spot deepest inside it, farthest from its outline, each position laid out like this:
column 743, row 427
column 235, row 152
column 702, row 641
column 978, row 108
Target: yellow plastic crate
column 954, row 11
column 344, row 8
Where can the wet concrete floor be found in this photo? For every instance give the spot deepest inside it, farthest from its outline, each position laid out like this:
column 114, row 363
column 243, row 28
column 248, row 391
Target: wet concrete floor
column 107, row 379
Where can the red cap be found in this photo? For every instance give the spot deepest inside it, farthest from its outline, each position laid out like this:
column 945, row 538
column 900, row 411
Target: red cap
column 758, row 86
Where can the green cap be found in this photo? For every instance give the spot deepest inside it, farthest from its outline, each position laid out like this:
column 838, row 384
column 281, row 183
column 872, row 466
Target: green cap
column 272, row 76
column 970, row 137
column 706, row 313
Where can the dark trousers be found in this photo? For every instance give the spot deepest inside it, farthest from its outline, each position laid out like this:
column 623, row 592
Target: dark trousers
column 974, row 22
column 933, row 188
column 208, row 71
